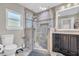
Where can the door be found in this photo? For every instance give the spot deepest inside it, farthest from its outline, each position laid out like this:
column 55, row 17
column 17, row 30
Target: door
column 73, row 45
column 43, row 35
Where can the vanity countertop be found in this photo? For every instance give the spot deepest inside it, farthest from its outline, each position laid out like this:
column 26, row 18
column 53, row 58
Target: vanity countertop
column 72, row 33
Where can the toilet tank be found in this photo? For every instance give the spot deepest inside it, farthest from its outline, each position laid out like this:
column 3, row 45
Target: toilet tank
column 7, row 39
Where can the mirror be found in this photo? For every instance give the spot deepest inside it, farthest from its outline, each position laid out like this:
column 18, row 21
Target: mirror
column 68, row 19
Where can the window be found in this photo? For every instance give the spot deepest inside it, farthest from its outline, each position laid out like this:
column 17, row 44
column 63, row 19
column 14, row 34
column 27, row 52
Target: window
column 13, row 20
column 29, row 23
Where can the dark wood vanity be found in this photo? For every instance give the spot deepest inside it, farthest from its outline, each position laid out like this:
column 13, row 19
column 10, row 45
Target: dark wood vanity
column 66, row 43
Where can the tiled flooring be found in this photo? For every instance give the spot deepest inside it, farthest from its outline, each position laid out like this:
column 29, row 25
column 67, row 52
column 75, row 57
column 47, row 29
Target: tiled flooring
column 36, row 52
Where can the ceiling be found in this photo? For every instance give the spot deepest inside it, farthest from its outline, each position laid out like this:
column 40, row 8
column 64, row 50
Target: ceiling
column 38, row 7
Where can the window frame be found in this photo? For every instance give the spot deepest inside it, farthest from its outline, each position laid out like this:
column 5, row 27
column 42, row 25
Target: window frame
column 17, row 13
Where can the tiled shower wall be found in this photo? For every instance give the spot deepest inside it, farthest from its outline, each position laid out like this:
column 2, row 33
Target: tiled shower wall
column 28, row 30
column 46, row 17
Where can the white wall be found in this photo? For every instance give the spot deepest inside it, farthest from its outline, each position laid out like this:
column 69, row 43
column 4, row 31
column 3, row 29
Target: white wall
column 17, row 34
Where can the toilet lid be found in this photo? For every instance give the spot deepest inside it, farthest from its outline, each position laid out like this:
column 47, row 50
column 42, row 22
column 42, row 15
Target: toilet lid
column 9, row 47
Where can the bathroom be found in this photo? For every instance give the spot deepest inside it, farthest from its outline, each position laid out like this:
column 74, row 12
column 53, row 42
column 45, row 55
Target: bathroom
column 26, row 31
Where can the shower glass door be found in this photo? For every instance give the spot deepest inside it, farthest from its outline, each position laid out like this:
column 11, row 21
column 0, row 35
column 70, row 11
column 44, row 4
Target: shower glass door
column 43, row 35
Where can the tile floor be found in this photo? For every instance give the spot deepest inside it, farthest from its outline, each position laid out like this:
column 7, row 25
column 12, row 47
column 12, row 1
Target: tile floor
column 37, row 52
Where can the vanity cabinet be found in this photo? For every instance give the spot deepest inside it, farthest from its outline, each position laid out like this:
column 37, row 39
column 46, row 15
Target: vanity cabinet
column 67, row 44
column 56, row 42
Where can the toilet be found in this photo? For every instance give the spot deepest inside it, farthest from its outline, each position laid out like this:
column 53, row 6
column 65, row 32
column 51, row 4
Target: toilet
column 9, row 46
column 1, row 48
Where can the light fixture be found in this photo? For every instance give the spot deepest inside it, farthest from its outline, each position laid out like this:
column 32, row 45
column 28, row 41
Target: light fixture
column 42, row 8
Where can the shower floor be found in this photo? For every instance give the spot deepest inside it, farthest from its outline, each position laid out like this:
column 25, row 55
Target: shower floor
column 36, row 52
